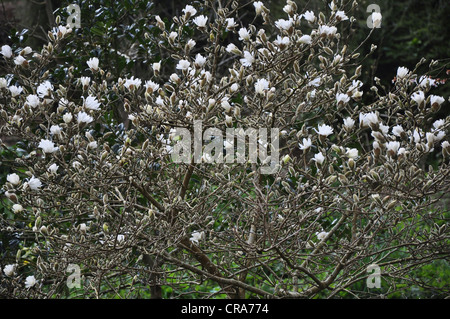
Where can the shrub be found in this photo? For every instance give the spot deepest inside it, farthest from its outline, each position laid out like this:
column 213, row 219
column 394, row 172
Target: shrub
column 351, row 187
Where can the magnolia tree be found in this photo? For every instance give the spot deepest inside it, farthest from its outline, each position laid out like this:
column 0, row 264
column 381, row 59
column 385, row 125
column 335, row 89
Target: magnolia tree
column 260, row 166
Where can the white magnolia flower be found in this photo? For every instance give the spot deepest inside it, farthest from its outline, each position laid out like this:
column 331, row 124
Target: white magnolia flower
column 200, row 60
column 34, row 183
column 309, row 16
column 258, row 7
column 55, row 130
column 196, row 236
column 151, row 86
column 67, row 118
column 416, row 136
column 426, row 80
column 20, row 60
column 307, row 143
column 6, row 51
column 83, row 227
column 228, row 120
column 172, row 35
column 289, row 9
column 3, row 83
column 61, row 31
column 211, row 103
column 305, row 39
column 85, row 81
column 159, row 101
column 384, row 128
column 244, row 34
column 366, row 119
column 431, row 138
column 397, row 130
column 93, row 145
column 33, row 100
column 132, row 83
column 15, row 90
column 342, row 98
column 283, row 24
column 322, row 235
column 248, row 59
column 371, row 118
column 337, row 58
column 440, row 135
column 392, row 147
column 231, row 48
column 47, row 146
column 120, row 238
column 63, row 103
column 189, row 11
column 17, row 119
column 231, row 24
column 30, row 281
column 333, row 5
column 53, row 168
column 349, row 123
column 438, row 124
column 93, row 63
column 319, row 158
column 13, row 179
column 17, row 208
column 376, row 19
column 183, row 65
column 418, row 97
column 91, row 103
column 376, row 146
column 261, row 86
column 327, row 31
column 83, row 117
column 324, row 130
column 9, row 270
column 156, row 66
column 354, row 89
column 11, row 196
column 315, row 82
column 201, row 21
column 352, row 152
column 26, row 50
column 436, row 100
column 234, row 87
column 341, row 16
column 282, row 42
column 76, row 165
column 44, row 89
column 402, row 71
column 190, row 44
column 445, row 144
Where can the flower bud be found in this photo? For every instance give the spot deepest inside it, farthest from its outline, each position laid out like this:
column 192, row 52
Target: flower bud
column 43, row 230
column 351, row 163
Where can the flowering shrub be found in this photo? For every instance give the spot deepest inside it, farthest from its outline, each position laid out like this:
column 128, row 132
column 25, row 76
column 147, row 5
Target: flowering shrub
column 352, row 187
